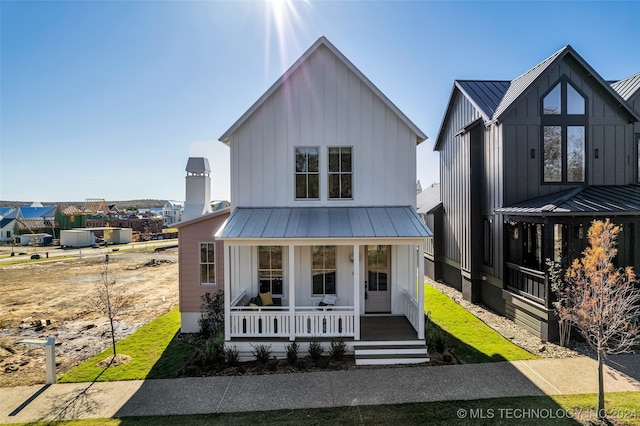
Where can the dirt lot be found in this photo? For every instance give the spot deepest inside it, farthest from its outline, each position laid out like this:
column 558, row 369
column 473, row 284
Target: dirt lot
column 49, row 299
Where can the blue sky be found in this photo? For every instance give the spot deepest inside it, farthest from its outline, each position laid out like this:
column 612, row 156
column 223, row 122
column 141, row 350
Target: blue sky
column 106, row 99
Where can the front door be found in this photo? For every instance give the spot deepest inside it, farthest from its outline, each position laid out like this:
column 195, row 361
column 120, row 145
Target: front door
column 377, row 284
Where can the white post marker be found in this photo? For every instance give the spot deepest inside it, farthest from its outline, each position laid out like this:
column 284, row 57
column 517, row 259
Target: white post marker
column 50, row 359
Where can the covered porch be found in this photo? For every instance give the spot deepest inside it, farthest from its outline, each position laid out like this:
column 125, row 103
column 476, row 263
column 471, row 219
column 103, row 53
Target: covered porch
column 322, row 272
column 556, row 227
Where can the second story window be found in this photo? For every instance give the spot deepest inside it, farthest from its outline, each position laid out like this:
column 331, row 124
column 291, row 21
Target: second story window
column 340, row 172
column 307, row 173
column 564, row 123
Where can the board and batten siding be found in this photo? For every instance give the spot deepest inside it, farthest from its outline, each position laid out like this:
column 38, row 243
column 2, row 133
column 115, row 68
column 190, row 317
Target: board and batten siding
column 608, row 131
column 323, row 104
column 455, row 183
column 189, row 239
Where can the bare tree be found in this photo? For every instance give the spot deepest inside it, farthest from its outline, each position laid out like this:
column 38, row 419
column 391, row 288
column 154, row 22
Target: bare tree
column 602, row 301
column 109, row 300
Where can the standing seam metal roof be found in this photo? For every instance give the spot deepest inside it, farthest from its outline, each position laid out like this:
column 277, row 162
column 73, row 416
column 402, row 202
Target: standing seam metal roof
column 627, row 87
column 623, row 200
column 324, row 222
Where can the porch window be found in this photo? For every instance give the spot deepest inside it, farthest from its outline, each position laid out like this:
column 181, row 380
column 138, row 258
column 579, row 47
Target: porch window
column 270, row 269
column 564, row 122
column 323, row 270
column 207, row 263
column 340, row 172
column 307, row 173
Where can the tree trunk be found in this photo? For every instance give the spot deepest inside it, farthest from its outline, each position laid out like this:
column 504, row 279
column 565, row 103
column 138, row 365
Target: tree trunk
column 601, row 412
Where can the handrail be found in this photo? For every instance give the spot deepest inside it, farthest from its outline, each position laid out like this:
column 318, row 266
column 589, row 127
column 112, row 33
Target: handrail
column 534, row 272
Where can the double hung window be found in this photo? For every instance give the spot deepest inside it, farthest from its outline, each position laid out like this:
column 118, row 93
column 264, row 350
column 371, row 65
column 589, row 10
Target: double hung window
column 323, row 270
column 207, row 263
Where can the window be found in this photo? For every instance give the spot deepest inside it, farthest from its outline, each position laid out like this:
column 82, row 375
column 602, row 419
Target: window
column 564, row 123
column 340, row 172
column 307, row 173
column 323, row 270
column 270, row 269
column 207, row 263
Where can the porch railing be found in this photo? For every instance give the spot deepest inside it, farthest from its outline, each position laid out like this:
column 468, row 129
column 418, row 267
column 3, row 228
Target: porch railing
column 308, row 321
column 411, row 309
column 529, row 283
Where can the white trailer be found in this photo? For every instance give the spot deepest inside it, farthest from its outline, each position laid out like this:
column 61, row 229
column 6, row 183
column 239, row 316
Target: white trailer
column 77, row 238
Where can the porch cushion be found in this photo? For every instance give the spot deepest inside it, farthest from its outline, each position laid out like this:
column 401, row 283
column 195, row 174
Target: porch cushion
column 266, row 298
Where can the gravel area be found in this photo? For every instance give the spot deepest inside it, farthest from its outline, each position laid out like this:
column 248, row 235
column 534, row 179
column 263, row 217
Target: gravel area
column 510, row 330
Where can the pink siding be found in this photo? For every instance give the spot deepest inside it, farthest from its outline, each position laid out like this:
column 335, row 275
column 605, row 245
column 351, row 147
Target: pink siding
column 189, row 237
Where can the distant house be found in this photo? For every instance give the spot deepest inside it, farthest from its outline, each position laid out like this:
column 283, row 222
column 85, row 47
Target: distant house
column 323, row 240
column 37, row 218
column 172, row 212
column 7, row 223
column 525, row 166
column 428, row 205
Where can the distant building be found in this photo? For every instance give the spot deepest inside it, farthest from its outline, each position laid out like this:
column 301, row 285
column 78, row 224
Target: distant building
column 172, row 212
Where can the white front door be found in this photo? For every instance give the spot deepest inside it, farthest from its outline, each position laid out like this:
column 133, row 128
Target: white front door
column 377, row 279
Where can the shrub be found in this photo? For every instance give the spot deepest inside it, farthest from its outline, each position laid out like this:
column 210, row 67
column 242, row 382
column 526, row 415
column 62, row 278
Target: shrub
column 315, row 350
column 262, row 353
column 213, row 351
column 338, row 349
column 231, row 355
column 293, row 349
column 212, row 318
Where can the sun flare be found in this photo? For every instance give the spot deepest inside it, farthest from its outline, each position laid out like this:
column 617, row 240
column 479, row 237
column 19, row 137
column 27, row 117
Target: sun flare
column 283, row 21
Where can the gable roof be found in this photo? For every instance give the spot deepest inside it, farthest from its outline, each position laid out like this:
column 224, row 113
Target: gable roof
column 322, row 41
column 8, row 212
column 585, row 200
column 521, row 85
column 428, row 199
column 628, row 87
column 29, row 212
column 484, row 95
column 495, row 98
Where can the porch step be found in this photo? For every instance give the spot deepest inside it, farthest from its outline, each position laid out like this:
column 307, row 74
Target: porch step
column 387, row 353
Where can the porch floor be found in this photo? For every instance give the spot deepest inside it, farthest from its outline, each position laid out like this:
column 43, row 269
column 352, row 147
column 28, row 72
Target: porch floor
column 386, row 327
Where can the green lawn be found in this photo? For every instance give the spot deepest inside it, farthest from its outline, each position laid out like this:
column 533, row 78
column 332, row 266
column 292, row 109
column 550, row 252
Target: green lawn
column 469, row 339
column 153, row 350
column 542, row 410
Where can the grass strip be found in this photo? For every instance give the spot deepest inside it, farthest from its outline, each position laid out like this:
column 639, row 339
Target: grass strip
column 469, row 339
column 154, row 352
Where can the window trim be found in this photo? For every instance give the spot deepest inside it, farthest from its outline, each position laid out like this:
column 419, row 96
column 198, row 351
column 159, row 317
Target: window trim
column 339, row 173
column 200, row 263
column 564, row 121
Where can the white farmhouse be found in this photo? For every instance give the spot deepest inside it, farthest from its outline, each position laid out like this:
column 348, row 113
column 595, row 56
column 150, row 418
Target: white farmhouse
column 324, row 240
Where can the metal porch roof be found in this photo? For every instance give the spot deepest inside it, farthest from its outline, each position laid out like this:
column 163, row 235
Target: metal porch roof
column 324, row 222
column 590, row 200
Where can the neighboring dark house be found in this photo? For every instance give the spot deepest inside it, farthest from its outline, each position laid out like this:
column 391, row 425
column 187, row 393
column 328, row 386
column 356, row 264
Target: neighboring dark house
column 525, row 166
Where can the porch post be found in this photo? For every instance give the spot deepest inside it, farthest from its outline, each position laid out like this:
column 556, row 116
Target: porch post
column 227, row 293
column 356, row 291
column 421, row 290
column 292, row 295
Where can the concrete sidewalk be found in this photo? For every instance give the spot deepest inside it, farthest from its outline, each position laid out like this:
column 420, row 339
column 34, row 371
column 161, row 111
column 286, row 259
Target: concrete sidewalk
column 307, row 390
